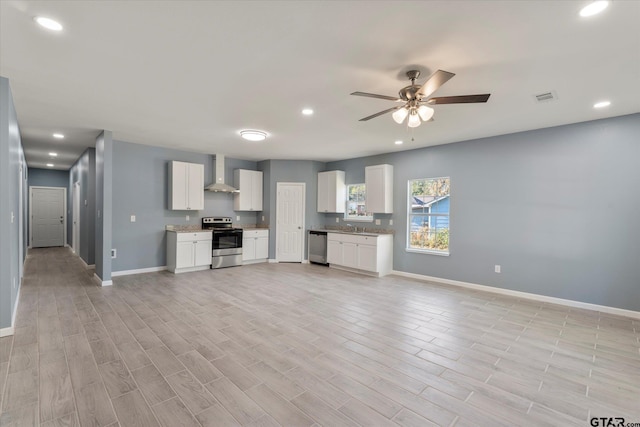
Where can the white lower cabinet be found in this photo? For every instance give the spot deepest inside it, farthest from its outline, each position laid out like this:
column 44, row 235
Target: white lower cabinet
column 371, row 254
column 255, row 246
column 188, row 251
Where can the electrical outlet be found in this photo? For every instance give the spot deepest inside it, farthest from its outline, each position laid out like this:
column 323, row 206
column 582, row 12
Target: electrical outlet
column 237, row 217
column 390, row 222
column 377, row 222
column 133, row 218
column 497, row 268
column 114, row 253
column 262, row 218
column 12, row 217
column 338, row 219
column 187, row 218
column 13, row 281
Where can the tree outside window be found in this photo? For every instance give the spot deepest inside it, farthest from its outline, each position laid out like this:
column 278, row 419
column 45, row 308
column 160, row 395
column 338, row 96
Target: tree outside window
column 428, row 207
column 356, row 203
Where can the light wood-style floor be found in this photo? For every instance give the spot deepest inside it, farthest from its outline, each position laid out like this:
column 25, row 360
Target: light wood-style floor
column 299, row 345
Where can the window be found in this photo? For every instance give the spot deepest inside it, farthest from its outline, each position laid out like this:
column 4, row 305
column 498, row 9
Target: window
column 428, row 207
column 356, row 208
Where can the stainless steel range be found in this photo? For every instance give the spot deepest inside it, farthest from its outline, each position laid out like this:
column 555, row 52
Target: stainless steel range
column 227, row 242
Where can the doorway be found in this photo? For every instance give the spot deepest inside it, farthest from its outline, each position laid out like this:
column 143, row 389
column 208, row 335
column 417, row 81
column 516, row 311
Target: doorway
column 48, row 219
column 75, row 217
column 290, row 200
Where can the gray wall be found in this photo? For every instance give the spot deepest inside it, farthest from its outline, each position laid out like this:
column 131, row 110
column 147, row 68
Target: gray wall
column 140, row 188
column 84, row 172
column 13, row 172
column 53, row 178
column 533, row 202
column 290, row 171
column 104, row 204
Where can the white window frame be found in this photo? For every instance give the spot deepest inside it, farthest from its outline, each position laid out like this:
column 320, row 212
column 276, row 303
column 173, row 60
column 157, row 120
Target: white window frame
column 408, row 247
column 362, row 218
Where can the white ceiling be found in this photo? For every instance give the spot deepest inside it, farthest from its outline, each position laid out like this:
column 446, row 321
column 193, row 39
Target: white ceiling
column 191, row 74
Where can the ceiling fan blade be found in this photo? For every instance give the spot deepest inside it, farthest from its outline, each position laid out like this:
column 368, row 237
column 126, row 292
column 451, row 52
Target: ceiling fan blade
column 373, row 116
column 373, row 95
column 462, row 99
column 432, row 84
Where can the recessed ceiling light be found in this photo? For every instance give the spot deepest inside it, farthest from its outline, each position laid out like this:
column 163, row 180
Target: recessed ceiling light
column 253, row 135
column 48, row 23
column 593, row 8
column 58, row 136
column 52, row 154
column 601, row 104
column 307, row 111
column 50, row 165
column 398, row 142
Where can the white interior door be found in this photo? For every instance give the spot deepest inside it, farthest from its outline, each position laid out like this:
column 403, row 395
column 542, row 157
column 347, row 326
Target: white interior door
column 290, row 199
column 75, row 229
column 47, row 216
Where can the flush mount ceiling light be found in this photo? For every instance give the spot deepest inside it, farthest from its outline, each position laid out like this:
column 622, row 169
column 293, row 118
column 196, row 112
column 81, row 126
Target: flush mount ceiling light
column 49, row 165
column 398, row 142
column 253, row 135
column 601, row 104
column 52, row 154
column 58, row 136
column 593, row 8
column 48, row 23
column 307, row 111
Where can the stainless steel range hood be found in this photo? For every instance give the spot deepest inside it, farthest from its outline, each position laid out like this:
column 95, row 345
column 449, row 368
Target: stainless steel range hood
column 219, row 185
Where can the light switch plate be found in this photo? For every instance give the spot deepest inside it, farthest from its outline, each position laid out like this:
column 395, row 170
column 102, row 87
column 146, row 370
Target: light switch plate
column 377, row 222
column 133, row 218
column 237, row 217
column 187, row 218
column 390, row 222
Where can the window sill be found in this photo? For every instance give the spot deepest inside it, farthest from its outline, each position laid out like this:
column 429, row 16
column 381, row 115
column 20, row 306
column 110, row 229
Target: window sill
column 427, row 252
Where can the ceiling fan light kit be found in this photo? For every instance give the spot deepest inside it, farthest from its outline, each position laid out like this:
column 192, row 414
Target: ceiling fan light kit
column 417, row 97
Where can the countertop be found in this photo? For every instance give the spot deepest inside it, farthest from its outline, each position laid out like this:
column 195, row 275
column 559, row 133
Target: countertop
column 373, row 233
column 196, row 228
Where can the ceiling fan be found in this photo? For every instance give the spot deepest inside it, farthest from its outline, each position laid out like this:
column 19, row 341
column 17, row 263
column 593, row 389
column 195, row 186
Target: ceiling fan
column 416, row 99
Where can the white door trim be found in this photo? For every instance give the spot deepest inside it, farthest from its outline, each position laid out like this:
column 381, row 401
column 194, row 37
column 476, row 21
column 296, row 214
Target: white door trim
column 302, row 231
column 75, row 216
column 64, row 211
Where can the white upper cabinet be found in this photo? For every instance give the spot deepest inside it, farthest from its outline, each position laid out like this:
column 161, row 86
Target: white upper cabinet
column 250, row 185
column 331, row 192
column 186, row 186
column 379, row 186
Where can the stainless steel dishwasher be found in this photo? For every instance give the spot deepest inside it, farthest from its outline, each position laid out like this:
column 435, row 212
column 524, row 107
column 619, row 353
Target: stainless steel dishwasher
column 317, row 246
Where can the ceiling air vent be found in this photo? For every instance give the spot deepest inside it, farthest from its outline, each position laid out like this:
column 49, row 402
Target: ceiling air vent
column 546, row 97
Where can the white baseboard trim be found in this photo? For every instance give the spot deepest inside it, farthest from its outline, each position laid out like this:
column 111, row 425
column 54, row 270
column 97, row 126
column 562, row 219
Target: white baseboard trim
column 525, row 295
column 102, row 282
column 138, row 271
column 86, row 266
column 5, row 332
column 273, row 261
column 305, row 261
